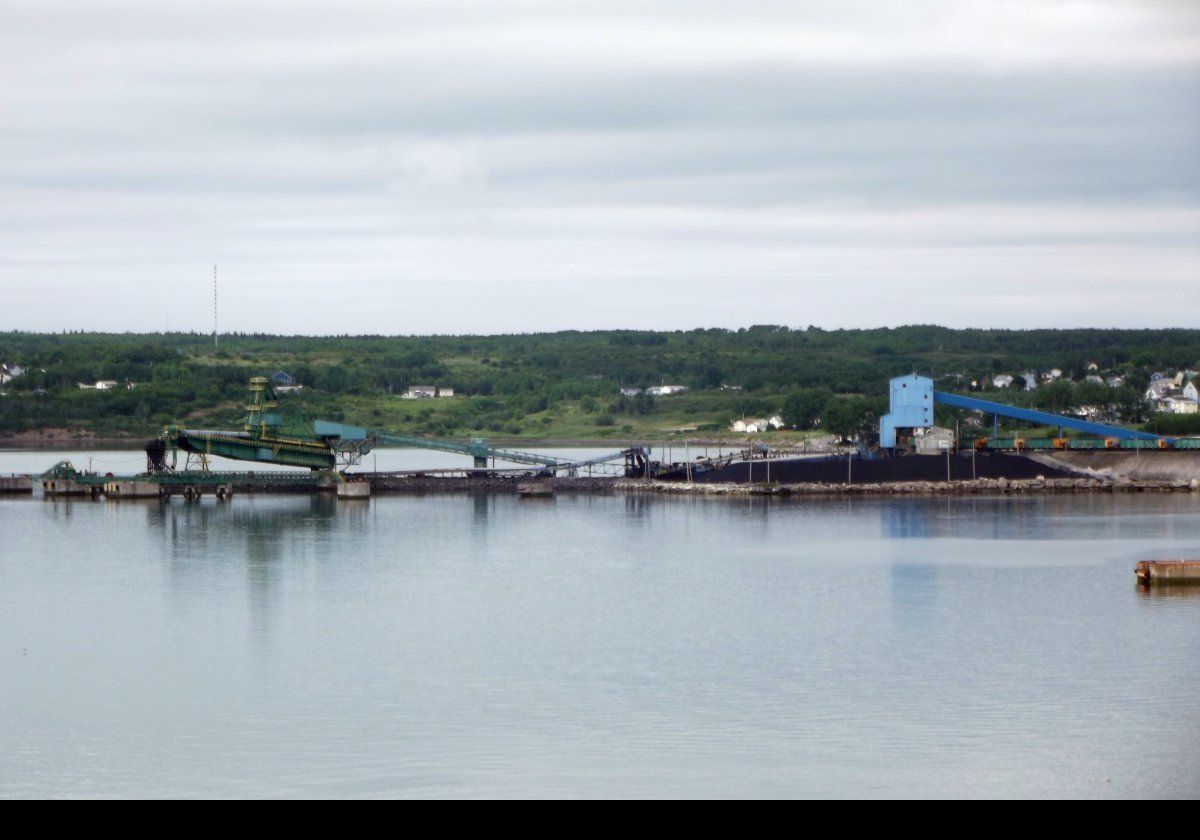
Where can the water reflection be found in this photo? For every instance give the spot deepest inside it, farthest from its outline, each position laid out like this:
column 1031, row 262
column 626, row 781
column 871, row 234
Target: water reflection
column 914, row 593
column 1168, row 591
column 485, row 646
column 637, row 507
column 201, row 538
column 482, row 504
column 904, row 520
column 66, row 507
column 1094, row 516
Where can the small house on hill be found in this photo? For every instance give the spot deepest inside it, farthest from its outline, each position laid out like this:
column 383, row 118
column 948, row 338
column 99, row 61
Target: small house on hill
column 284, row 383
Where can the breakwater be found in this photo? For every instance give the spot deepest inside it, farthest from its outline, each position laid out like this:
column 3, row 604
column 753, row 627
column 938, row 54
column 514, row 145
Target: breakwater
column 136, row 488
column 982, row 486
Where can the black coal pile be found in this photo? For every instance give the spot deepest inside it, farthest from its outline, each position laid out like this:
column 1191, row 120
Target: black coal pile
column 885, row 470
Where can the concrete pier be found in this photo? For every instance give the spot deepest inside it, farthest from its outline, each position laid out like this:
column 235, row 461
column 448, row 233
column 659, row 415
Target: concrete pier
column 16, row 484
column 353, row 490
column 1168, row 571
column 64, row 487
column 131, row 490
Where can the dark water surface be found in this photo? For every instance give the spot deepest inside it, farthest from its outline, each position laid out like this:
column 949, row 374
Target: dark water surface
column 596, row 646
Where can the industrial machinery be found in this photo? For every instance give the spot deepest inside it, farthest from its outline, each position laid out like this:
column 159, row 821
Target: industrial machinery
column 911, row 410
column 268, row 437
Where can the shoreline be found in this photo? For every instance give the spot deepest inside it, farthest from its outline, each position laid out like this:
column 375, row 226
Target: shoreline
column 982, row 486
column 512, row 485
column 13, row 443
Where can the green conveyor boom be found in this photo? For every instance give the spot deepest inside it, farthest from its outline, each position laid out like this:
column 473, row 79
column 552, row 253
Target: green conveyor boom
column 358, row 440
column 323, row 445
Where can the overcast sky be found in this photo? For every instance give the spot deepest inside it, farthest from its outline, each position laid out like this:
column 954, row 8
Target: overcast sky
column 455, row 167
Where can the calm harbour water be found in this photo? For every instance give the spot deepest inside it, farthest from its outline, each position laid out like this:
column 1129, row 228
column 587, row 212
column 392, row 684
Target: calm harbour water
column 596, row 646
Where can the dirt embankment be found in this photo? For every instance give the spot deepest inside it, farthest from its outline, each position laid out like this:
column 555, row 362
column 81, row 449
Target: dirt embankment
column 42, row 437
column 1153, row 465
column 60, row 438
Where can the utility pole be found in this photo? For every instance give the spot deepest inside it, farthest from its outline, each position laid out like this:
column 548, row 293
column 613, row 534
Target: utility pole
column 216, row 339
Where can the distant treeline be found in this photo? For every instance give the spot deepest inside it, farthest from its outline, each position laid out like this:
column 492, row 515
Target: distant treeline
column 760, row 370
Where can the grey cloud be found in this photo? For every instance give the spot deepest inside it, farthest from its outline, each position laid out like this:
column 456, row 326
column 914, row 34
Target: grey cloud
column 681, row 155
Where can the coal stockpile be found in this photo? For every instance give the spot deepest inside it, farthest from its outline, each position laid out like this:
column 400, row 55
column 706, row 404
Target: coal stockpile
column 884, row 470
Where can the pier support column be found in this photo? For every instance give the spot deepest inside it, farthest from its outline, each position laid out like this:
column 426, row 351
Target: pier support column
column 354, row 490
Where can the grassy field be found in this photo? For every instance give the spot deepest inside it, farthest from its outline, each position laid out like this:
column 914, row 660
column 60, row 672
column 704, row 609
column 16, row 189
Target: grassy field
column 700, row 416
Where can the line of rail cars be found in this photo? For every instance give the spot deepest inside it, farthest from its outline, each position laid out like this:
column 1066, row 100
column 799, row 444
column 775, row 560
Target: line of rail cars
column 1019, row 444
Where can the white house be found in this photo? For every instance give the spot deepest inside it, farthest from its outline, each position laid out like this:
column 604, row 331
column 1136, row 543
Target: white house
column 1051, row 375
column 1002, row 381
column 752, row 426
column 1192, row 390
column 1097, row 413
column 101, row 385
column 665, row 390
column 284, row 383
column 630, row 392
column 1159, row 388
column 445, row 391
column 756, row 425
column 10, row 372
column 419, row 392
column 1030, row 380
column 1181, row 405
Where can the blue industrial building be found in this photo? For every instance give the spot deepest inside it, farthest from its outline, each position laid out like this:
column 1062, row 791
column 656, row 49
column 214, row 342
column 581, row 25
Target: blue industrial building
column 911, row 407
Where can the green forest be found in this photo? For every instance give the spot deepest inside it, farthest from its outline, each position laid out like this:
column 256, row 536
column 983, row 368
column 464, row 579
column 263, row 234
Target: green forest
column 566, row 385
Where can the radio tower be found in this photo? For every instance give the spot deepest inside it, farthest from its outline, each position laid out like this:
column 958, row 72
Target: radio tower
column 216, row 340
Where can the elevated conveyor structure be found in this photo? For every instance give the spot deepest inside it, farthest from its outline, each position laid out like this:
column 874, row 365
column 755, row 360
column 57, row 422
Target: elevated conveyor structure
column 356, row 440
column 266, row 437
column 911, row 407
